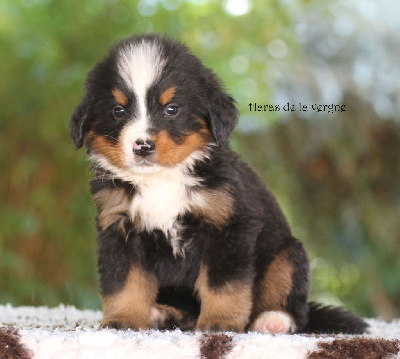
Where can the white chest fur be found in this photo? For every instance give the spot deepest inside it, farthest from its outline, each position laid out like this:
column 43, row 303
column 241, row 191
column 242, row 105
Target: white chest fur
column 159, row 200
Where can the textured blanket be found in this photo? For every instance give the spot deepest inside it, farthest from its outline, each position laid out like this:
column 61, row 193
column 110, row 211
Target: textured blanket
column 68, row 333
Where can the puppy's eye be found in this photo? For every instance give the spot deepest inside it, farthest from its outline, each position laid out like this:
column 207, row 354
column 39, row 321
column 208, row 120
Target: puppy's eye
column 118, row 112
column 171, row 110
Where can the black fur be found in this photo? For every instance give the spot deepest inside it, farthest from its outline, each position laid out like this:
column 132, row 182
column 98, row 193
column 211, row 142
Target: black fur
column 327, row 319
column 238, row 248
column 78, row 124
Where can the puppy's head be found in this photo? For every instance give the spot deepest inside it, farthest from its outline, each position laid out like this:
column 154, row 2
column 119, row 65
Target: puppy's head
column 150, row 104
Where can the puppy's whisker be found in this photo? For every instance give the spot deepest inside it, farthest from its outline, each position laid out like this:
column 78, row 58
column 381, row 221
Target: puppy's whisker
column 112, row 138
column 107, row 151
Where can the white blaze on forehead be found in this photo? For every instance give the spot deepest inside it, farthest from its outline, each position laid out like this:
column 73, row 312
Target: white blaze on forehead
column 140, row 65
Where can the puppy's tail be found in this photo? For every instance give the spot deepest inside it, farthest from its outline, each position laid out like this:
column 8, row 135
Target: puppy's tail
column 330, row 320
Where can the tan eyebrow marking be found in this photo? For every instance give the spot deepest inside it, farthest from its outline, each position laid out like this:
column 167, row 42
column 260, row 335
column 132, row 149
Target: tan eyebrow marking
column 167, row 95
column 120, row 97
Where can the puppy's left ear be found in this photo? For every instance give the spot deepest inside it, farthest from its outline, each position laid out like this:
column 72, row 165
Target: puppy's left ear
column 78, row 125
column 223, row 115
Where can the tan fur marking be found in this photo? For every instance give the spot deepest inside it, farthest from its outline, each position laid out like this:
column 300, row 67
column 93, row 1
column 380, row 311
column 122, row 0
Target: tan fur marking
column 113, row 205
column 170, row 153
column 120, row 97
column 167, row 95
column 217, row 207
column 131, row 307
column 161, row 312
column 227, row 308
column 276, row 285
column 164, row 316
column 102, row 146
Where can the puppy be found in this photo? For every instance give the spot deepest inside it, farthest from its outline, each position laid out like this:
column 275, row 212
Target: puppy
column 188, row 236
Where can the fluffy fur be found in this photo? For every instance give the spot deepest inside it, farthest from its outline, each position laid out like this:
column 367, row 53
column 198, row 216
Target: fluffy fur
column 188, row 235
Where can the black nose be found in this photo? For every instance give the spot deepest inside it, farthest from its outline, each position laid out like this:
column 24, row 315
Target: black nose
column 144, row 148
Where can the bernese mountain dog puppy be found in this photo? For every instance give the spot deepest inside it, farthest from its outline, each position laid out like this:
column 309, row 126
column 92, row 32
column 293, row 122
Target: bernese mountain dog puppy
column 188, row 235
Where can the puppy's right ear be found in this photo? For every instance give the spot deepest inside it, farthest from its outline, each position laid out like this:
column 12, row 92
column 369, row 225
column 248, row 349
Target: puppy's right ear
column 78, row 125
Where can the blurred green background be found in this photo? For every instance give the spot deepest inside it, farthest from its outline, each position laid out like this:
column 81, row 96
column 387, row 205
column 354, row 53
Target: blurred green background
column 337, row 175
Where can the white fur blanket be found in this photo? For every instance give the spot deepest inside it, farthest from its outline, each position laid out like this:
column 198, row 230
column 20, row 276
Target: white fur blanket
column 68, row 333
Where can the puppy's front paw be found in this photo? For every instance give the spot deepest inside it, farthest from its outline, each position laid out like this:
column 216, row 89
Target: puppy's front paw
column 273, row 322
column 166, row 317
column 114, row 324
column 122, row 323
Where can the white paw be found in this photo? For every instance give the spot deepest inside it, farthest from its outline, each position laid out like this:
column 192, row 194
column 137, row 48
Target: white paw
column 273, row 323
column 155, row 315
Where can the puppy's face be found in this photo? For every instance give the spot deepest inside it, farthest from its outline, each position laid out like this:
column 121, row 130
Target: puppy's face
column 150, row 105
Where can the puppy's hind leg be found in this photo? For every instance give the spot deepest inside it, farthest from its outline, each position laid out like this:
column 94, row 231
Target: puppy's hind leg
column 281, row 291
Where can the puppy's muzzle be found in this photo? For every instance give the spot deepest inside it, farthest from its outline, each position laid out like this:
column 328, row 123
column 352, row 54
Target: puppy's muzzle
column 144, row 148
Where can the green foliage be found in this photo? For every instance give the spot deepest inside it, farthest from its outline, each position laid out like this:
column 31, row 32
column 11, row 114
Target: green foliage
column 339, row 190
